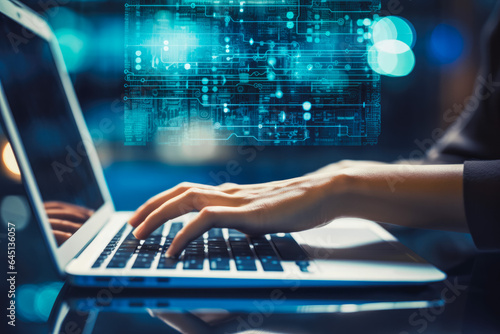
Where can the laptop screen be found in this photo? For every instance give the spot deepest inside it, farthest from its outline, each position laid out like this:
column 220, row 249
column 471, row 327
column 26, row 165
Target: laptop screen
column 48, row 130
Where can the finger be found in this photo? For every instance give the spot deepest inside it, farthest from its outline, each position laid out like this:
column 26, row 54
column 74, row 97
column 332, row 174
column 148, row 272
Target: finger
column 183, row 322
column 193, row 199
column 207, row 218
column 61, row 236
column 156, row 201
column 64, row 226
column 68, row 207
column 76, row 217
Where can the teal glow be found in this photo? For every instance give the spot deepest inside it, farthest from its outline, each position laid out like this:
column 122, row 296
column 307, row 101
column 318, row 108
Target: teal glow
column 394, row 27
column 279, row 94
column 307, row 116
column 73, row 47
column 306, row 106
column 187, row 66
column 289, row 15
column 392, row 58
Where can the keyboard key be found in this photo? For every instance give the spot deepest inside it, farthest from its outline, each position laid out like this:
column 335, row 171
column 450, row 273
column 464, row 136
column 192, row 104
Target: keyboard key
column 288, row 248
column 191, row 262
column 219, row 263
column 174, row 228
column 167, row 263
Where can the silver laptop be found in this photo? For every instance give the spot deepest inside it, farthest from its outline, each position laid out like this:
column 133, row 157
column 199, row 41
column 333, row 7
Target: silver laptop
column 92, row 245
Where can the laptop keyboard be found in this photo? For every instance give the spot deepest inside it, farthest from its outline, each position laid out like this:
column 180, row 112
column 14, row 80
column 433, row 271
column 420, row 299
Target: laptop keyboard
column 219, row 251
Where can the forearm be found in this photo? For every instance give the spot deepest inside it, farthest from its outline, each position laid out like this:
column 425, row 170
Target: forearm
column 413, row 196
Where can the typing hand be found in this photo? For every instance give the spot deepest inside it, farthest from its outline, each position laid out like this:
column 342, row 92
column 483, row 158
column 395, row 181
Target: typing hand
column 66, row 219
column 281, row 206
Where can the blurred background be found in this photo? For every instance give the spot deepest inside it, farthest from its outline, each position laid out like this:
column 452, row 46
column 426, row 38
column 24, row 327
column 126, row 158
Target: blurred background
column 91, row 34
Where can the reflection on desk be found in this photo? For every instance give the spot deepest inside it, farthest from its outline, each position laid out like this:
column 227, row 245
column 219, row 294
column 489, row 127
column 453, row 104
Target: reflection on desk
column 461, row 304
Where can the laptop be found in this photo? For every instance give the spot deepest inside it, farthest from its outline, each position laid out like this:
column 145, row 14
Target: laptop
column 91, row 244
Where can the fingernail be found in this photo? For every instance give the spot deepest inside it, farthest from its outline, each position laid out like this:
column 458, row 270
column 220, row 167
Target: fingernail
column 136, row 233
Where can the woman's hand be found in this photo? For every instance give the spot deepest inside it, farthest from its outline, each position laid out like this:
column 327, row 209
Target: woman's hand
column 281, row 206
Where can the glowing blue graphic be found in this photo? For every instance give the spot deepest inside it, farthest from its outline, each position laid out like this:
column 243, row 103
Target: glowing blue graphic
column 446, row 44
column 257, row 72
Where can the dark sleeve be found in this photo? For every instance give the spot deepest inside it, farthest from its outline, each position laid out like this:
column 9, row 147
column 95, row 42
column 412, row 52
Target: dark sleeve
column 475, row 133
column 482, row 202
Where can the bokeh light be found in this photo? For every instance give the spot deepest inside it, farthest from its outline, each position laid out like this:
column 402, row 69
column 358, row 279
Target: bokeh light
column 391, row 53
column 394, row 27
column 391, row 58
column 9, row 161
column 446, row 44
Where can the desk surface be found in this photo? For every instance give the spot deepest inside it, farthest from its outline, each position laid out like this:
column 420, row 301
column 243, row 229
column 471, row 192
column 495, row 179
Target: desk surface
column 467, row 302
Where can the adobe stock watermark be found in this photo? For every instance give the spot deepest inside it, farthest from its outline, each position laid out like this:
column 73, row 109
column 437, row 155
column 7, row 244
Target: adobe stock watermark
column 484, row 89
column 422, row 318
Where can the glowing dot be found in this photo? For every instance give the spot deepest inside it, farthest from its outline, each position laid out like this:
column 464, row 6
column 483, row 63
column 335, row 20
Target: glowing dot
column 138, row 53
column 215, row 89
column 227, row 46
column 360, row 31
column 367, row 22
column 227, row 50
column 228, row 58
column 306, row 106
column 138, row 67
column 260, row 126
column 271, row 76
column 327, row 33
column 290, row 25
column 359, row 22
column 165, row 42
column 310, row 67
column 225, row 105
column 360, row 39
column 165, row 48
column 138, row 60
column 271, row 61
column 187, row 66
column 279, row 94
column 204, row 89
column 204, row 97
column 251, row 41
column 214, row 69
column 289, row 15
column 307, row 116
column 227, row 39
column 226, row 110
column 204, row 81
column 241, row 10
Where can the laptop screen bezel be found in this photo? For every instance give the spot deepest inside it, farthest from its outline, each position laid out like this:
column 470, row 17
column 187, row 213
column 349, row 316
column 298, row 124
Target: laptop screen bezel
column 63, row 254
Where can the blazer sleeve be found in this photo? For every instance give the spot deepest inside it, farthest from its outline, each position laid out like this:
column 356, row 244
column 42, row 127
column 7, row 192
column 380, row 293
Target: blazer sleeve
column 482, row 202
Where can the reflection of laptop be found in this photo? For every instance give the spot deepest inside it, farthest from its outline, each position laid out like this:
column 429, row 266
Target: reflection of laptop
column 240, row 310
column 91, row 243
